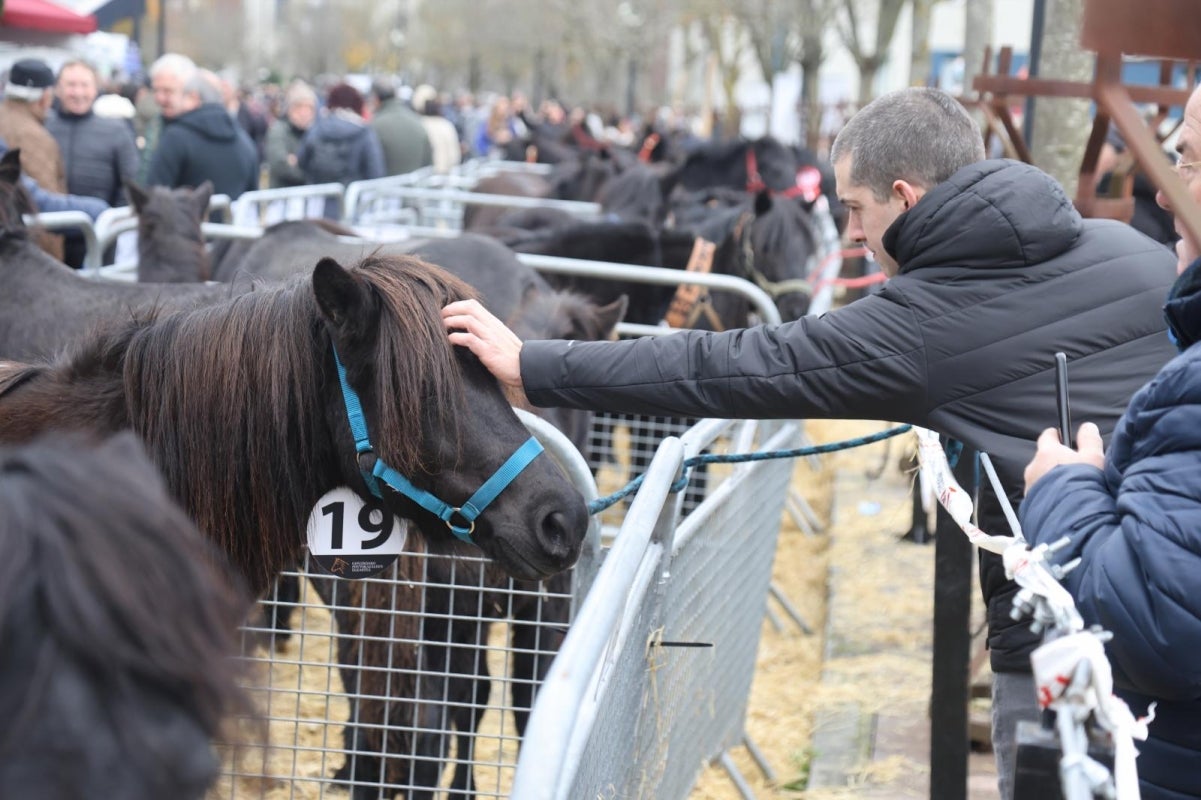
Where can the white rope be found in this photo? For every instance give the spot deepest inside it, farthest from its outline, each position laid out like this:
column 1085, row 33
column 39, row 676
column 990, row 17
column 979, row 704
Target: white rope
column 1071, row 673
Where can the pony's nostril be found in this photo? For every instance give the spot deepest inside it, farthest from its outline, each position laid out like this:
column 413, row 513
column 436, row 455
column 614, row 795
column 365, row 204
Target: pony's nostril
column 562, row 532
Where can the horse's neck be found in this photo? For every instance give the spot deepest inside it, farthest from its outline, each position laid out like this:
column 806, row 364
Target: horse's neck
column 173, row 259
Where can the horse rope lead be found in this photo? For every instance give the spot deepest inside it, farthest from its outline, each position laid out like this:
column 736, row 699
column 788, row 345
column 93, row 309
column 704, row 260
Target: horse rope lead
column 1071, row 673
column 601, row 503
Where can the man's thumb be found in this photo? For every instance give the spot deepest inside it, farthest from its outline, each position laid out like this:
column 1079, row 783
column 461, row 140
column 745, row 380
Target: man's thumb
column 1088, row 440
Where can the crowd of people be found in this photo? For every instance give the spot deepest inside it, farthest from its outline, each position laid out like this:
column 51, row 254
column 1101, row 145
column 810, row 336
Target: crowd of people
column 83, row 137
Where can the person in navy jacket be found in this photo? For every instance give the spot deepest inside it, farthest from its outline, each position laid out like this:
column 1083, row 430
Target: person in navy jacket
column 1133, row 516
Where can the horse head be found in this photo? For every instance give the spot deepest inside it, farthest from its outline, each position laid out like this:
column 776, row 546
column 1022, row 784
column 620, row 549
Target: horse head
column 764, row 239
column 437, row 417
column 170, row 241
column 775, row 253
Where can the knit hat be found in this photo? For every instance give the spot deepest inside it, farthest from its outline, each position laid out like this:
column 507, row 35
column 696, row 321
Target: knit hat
column 28, row 78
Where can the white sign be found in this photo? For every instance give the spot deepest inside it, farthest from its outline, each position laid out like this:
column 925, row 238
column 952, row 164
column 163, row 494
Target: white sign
column 351, row 538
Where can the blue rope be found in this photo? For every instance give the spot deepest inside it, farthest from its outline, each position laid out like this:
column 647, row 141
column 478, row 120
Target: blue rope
column 601, row 503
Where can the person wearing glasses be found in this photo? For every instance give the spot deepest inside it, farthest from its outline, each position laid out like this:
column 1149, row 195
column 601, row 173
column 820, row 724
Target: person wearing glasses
column 1133, row 517
column 991, row 272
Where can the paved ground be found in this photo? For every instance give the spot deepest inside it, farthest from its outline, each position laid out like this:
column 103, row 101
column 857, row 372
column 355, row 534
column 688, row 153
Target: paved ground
column 872, row 741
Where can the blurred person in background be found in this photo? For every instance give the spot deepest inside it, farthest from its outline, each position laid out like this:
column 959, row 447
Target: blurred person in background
column 201, row 141
column 340, row 147
column 28, row 95
column 99, row 152
column 443, row 138
column 285, row 135
column 401, row 134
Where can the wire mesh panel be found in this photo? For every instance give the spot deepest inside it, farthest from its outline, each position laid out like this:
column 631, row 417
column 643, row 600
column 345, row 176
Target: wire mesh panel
column 417, row 679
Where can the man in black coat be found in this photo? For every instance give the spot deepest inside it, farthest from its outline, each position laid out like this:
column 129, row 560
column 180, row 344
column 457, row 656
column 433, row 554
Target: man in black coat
column 204, row 143
column 99, row 153
column 992, row 271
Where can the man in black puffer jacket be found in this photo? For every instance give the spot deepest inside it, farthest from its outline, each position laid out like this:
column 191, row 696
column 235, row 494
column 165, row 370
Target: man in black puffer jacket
column 992, row 271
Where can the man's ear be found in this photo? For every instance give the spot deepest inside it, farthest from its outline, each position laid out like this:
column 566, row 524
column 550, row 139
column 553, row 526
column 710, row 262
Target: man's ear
column 907, row 193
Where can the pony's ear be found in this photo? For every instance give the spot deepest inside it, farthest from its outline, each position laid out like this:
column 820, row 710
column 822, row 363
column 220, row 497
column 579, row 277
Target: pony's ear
column 763, row 202
column 10, row 166
column 608, row 316
column 345, row 302
column 201, row 196
column 138, row 196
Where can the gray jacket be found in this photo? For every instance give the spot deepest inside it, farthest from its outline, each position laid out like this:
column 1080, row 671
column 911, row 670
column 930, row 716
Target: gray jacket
column 998, row 272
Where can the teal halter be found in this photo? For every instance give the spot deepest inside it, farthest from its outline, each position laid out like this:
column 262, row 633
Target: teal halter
column 470, row 510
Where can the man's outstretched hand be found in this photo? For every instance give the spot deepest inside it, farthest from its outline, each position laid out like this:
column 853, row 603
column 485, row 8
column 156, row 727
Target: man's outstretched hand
column 498, row 348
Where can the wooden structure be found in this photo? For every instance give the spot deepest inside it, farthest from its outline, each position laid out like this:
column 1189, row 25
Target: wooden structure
column 1169, row 30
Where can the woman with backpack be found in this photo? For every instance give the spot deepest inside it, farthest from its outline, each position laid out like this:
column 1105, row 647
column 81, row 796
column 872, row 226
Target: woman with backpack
column 339, row 147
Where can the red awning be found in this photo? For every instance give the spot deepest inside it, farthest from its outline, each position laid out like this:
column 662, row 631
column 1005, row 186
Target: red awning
column 41, row 15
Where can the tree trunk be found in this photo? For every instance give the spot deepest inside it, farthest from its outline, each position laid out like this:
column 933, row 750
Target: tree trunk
column 919, row 59
column 1062, row 126
column 977, row 36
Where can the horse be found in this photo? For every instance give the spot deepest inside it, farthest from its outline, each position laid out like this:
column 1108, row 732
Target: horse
column 241, row 406
column 441, row 679
column 117, row 628
column 170, row 240
column 513, row 184
column 764, row 163
column 46, row 305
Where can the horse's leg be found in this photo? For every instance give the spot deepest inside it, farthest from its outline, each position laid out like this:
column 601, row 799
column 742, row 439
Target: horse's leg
column 281, row 608
column 539, row 627
column 471, row 686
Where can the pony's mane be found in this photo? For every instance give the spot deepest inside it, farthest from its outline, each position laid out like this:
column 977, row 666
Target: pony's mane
column 231, row 400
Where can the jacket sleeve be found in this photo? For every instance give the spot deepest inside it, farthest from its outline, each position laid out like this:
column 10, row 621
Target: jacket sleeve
column 1137, row 529
column 51, row 201
column 373, row 155
column 864, row 361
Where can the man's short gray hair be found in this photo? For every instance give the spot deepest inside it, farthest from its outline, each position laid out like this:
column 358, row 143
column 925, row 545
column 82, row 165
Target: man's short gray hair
column 174, row 64
column 206, row 85
column 920, row 135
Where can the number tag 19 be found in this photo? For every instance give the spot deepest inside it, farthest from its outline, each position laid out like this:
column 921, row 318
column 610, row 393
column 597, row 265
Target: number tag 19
column 351, row 538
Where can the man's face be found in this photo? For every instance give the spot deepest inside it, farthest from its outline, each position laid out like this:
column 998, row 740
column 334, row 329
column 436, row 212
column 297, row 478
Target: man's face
column 1188, row 167
column 868, row 217
column 168, row 93
column 301, row 114
column 76, row 89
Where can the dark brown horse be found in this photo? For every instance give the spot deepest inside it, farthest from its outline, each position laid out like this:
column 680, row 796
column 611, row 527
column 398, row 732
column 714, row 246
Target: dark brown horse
column 239, row 405
column 117, row 629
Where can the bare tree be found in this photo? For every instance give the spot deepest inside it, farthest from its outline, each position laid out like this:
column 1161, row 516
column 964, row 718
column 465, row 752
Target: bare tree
column 1062, row 125
column 886, row 15
column 919, row 38
column 977, row 37
column 814, row 16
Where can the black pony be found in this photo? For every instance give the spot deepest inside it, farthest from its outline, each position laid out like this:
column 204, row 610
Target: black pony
column 117, row 629
column 240, row 406
column 170, row 241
